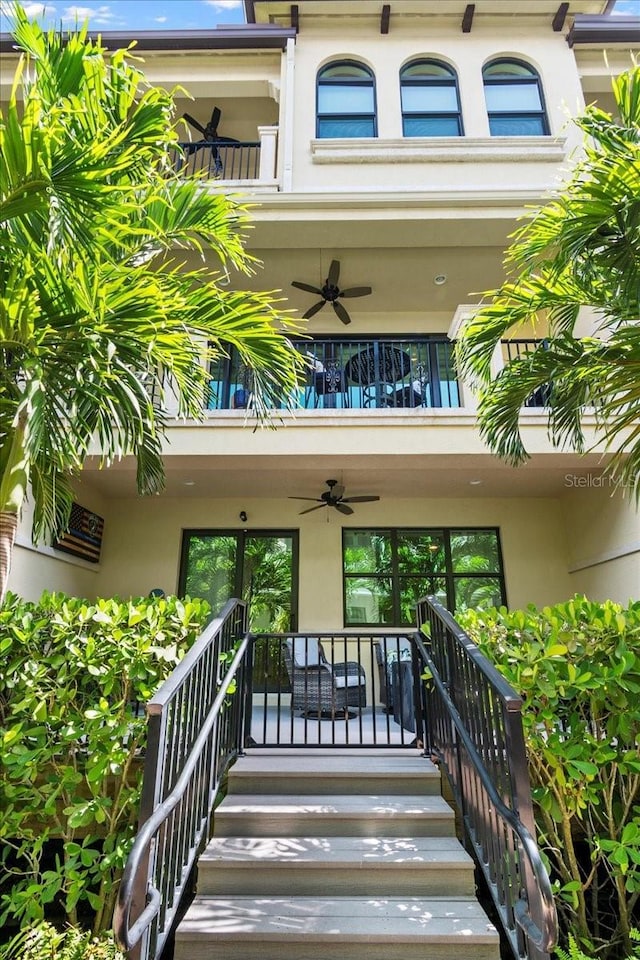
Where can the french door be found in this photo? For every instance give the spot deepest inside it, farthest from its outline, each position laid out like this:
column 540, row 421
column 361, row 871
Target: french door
column 259, row 566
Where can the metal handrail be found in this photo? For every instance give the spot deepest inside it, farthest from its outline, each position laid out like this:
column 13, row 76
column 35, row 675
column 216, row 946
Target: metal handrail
column 532, row 911
column 147, row 935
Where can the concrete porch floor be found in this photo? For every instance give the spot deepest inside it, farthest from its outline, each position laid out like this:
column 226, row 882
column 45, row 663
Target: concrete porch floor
column 372, row 726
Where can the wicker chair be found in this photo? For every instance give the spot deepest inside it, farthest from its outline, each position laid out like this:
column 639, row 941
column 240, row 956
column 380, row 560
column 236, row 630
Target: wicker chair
column 319, row 687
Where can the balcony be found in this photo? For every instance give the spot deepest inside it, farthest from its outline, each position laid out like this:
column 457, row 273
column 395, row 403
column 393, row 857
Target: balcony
column 389, row 373
column 247, row 162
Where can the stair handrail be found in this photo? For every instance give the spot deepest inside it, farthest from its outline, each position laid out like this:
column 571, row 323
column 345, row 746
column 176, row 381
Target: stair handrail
column 477, row 735
column 195, row 729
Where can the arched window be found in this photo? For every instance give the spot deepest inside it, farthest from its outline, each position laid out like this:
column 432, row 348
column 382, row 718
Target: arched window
column 346, row 101
column 514, row 100
column 430, row 102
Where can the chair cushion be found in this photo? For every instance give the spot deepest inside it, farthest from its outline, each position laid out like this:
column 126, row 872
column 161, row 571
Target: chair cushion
column 351, row 681
column 306, row 652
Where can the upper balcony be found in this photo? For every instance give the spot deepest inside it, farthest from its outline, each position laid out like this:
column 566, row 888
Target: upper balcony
column 250, row 164
column 371, row 373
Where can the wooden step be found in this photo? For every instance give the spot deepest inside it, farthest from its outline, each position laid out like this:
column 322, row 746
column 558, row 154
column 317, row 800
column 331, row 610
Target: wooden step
column 329, row 816
column 340, row 928
column 333, row 771
column 348, row 866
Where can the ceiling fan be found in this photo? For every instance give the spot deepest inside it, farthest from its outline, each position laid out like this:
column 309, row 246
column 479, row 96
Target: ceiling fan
column 210, row 131
column 333, row 497
column 330, row 291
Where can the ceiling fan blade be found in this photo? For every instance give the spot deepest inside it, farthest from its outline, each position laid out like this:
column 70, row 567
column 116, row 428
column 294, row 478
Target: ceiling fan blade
column 216, row 113
column 341, row 507
column 309, row 509
column 356, row 292
column 314, row 499
column 337, row 491
column 314, row 309
column 360, row 499
column 193, row 122
column 306, row 286
column 341, row 312
column 334, row 273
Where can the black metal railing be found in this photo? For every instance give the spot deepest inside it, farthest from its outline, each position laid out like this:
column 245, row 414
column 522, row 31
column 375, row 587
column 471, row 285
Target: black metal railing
column 195, row 729
column 218, row 159
column 369, row 373
column 474, row 727
column 511, row 350
column 348, row 689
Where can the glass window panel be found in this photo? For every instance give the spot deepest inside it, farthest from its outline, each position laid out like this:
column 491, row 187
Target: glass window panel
column 211, row 569
column 347, row 70
column 516, row 126
column 267, row 582
column 367, row 551
column 426, row 71
column 412, row 589
column 432, row 99
column 513, row 97
column 477, row 593
column 474, row 551
column 420, row 551
column 369, row 600
column 431, row 127
column 328, row 129
column 508, row 68
column 344, row 99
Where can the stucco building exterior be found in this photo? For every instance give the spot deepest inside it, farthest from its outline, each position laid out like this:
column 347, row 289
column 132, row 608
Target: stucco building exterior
column 402, row 141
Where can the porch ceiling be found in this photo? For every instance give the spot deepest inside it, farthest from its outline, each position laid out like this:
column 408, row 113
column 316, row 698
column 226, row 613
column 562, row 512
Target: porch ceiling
column 402, row 278
column 390, row 476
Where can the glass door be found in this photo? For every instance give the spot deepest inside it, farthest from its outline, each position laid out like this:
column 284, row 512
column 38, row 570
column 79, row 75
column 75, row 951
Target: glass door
column 259, row 566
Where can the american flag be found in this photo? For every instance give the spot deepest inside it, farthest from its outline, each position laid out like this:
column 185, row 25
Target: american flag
column 83, row 537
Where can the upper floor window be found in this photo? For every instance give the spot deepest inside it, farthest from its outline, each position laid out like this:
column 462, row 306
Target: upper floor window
column 514, row 100
column 430, row 102
column 346, row 101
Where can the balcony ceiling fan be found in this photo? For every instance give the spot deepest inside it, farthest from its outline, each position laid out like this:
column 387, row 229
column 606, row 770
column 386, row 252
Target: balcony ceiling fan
column 333, row 497
column 210, row 131
column 330, row 292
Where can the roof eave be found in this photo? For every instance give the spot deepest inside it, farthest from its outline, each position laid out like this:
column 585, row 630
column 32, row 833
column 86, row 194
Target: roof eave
column 587, row 28
column 249, row 36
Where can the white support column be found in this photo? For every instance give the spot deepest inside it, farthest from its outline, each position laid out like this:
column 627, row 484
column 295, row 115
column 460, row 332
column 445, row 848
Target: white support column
column 268, row 148
column 285, row 157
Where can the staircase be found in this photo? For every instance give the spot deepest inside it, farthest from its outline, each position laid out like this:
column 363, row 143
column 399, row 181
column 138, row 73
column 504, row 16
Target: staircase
column 335, row 853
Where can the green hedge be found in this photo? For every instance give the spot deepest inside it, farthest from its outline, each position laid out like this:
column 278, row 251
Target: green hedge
column 73, row 673
column 44, row 942
column 577, row 666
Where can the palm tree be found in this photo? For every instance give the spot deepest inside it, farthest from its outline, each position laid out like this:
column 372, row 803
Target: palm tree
column 580, row 249
column 99, row 315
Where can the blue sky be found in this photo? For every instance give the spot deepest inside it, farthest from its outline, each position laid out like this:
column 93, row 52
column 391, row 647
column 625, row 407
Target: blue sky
column 132, row 14
column 158, row 14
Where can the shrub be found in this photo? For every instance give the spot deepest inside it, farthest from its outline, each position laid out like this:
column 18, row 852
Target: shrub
column 577, row 667
column 75, row 675
column 44, row 942
column 575, row 953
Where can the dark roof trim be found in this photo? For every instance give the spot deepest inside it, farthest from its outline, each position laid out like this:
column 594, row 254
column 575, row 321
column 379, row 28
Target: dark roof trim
column 249, row 36
column 385, row 17
column 561, row 15
column 587, row 28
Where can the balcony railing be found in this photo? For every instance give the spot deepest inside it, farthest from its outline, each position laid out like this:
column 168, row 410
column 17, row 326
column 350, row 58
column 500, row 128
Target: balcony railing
column 219, row 160
column 511, row 349
column 355, row 374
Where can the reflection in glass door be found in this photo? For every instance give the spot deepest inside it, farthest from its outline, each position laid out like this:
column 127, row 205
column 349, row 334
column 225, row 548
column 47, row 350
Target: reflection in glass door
column 261, row 567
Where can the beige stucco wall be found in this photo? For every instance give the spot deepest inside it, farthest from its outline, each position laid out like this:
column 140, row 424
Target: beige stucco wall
column 603, row 540
column 143, row 547
column 467, row 53
column 38, row 568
